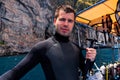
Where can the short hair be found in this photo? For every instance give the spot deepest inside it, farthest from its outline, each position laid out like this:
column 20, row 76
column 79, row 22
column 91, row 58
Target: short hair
column 66, row 8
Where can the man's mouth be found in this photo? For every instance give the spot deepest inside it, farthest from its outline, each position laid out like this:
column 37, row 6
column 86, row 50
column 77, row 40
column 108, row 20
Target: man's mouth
column 64, row 30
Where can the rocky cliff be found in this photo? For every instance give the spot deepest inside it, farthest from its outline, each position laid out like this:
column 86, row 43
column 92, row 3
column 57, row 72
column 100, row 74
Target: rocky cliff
column 23, row 23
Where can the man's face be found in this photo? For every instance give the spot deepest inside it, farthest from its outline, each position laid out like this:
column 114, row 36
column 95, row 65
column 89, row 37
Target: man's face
column 64, row 23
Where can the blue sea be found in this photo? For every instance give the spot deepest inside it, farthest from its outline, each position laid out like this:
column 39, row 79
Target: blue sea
column 104, row 56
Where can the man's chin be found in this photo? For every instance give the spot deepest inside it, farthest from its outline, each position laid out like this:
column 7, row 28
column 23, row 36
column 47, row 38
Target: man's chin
column 65, row 34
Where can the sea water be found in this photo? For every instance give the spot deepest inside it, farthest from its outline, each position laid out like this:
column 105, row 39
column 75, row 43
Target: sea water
column 8, row 62
column 104, row 57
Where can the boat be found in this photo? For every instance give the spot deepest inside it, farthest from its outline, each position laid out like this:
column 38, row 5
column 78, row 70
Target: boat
column 102, row 23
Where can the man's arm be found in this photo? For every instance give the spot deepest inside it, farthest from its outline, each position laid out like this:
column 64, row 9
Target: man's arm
column 86, row 63
column 90, row 58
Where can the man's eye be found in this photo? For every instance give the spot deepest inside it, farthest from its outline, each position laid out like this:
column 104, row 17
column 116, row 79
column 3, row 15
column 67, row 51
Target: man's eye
column 62, row 19
column 70, row 20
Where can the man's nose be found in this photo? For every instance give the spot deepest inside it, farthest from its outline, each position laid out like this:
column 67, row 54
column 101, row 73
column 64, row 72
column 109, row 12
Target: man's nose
column 66, row 23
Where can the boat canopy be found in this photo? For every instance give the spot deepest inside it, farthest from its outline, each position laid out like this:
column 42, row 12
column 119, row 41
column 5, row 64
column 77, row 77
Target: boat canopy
column 101, row 12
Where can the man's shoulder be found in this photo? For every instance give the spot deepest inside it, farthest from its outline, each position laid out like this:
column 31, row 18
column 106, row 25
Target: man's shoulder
column 45, row 43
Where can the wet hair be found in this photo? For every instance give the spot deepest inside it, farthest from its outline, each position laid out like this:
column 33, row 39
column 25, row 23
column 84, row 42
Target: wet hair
column 66, row 8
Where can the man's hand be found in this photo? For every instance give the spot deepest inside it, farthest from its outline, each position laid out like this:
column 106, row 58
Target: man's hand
column 91, row 53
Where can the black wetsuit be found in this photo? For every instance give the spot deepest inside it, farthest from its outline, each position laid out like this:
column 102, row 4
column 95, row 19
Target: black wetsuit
column 59, row 58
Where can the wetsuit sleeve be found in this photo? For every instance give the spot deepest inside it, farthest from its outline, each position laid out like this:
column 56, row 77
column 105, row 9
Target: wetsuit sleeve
column 30, row 60
column 82, row 62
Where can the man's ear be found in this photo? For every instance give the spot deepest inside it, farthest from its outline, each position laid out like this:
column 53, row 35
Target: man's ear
column 54, row 20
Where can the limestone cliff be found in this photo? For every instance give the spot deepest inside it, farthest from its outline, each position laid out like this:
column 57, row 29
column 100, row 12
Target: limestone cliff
column 23, row 24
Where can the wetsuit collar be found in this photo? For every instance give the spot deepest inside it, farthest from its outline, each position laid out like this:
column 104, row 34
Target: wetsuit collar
column 61, row 38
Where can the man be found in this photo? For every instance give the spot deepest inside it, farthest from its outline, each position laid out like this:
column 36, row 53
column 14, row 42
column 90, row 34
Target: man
column 59, row 58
